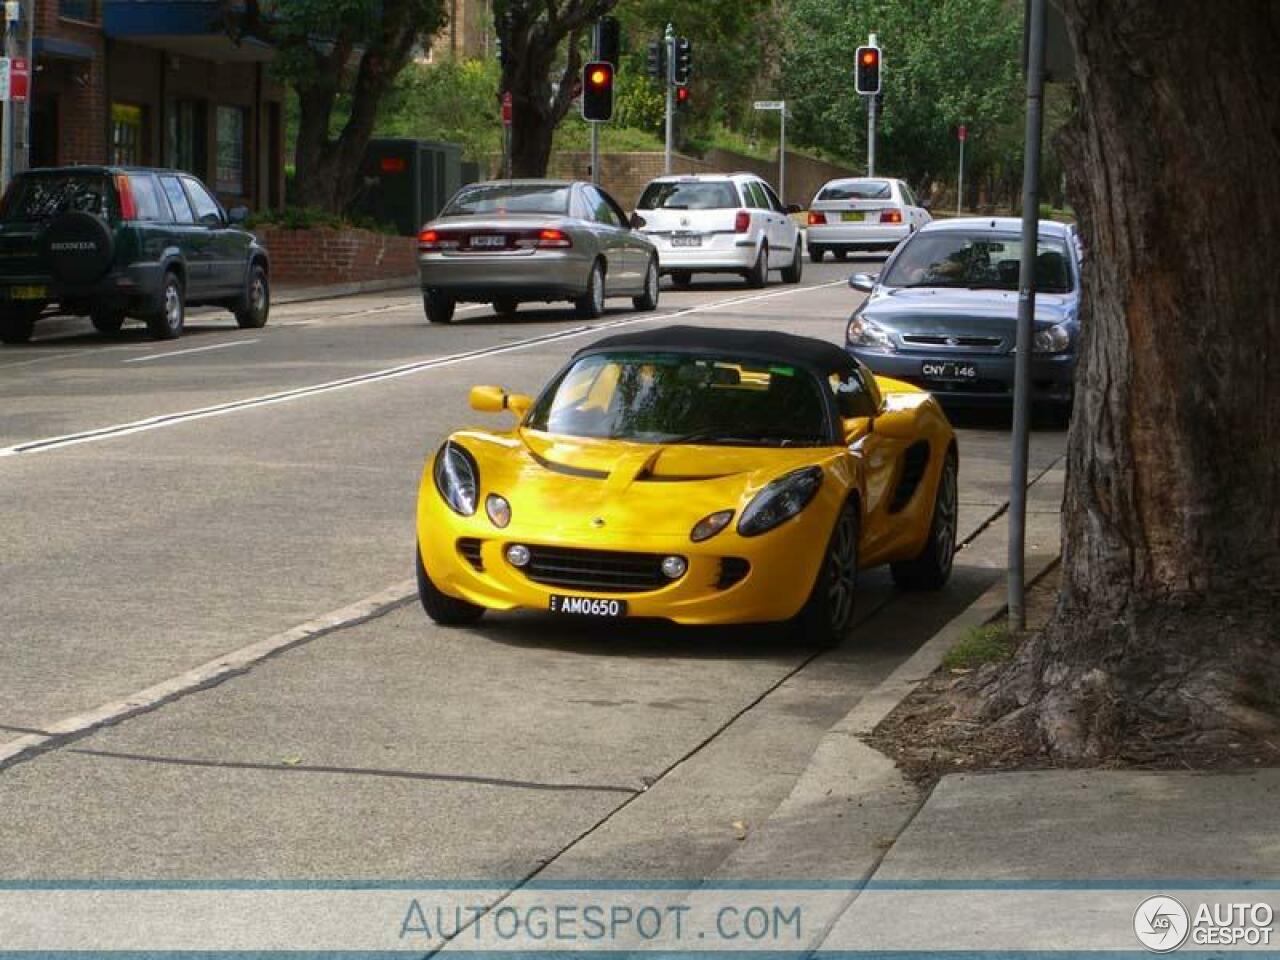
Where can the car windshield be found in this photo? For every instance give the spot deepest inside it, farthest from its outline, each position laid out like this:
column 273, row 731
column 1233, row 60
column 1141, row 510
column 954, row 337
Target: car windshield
column 691, row 195
column 509, row 198
column 39, row 197
column 685, row 398
column 977, row 260
column 857, row 190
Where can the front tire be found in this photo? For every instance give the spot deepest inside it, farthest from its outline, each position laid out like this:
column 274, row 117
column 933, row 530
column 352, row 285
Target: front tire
column 506, row 306
column 681, row 278
column 256, row 306
column 793, row 273
column 931, row 568
column 440, row 607
column 648, row 299
column 107, row 321
column 816, row 254
column 758, row 275
column 168, row 322
column 437, row 306
column 827, row 615
column 840, row 255
column 18, row 322
column 590, row 305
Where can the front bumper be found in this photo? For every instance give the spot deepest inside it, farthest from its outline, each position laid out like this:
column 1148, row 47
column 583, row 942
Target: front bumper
column 543, row 274
column 1052, row 375
column 782, row 567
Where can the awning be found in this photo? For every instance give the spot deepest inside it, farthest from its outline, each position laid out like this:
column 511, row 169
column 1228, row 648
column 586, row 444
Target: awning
column 192, row 28
column 54, row 48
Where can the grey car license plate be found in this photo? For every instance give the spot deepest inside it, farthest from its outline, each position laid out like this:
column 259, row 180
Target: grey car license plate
column 948, row 370
column 592, row 608
column 489, row 241
column 678, row 241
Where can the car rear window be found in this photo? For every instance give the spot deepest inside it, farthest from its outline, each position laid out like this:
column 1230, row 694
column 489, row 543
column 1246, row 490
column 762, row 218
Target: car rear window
column 38, row 197
column 857, row 190
column 690, row 195
column 509, row 198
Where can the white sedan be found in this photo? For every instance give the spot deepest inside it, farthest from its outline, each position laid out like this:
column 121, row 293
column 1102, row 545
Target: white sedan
column 860, row 214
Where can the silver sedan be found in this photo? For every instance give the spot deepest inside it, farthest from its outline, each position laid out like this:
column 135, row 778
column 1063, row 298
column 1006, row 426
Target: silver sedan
column 512, row 241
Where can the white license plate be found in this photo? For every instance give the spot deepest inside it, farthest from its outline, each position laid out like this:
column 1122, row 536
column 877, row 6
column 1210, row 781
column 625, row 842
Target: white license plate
column 686, row 241
column 592, row 608
column 489, row 241
column 949, row 371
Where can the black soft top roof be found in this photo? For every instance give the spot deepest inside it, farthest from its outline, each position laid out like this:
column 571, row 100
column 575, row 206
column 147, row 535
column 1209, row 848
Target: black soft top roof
column 818, row 355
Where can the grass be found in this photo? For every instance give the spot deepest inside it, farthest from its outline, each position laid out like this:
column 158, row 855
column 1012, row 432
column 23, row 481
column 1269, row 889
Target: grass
column 989, row 644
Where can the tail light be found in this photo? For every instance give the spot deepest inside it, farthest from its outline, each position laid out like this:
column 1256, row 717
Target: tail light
column 435, row 240
column 890, row 216
column 549, row 239
column 816, row 218
column 742, row 222
column 124, row 190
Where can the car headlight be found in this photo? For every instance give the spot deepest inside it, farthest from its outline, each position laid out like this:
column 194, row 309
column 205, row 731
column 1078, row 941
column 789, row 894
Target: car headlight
column 780, row 501
column 863, row 332
column 457, row 478
column 1053, row 339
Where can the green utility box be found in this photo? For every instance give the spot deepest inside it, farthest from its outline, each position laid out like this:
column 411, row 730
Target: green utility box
column 406, row 182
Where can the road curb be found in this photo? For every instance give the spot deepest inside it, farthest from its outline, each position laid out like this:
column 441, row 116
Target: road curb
column 206, row 675
column 336, row 291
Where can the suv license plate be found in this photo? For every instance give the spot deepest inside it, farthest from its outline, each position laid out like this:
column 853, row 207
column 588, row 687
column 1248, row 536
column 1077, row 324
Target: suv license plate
column 592, row 608
column 686, row 241
column 949, row 371
column 488, row 241
column 28, row 293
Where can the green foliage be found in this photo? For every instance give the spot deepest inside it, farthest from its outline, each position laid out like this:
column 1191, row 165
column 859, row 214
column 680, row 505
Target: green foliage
column 638, row 103
column 946, row 62
column 452, row 101
column 989, row 644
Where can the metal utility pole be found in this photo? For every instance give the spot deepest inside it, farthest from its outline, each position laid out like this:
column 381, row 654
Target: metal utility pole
column 1026, row 313
column 782, row 155
column 8, row 18
column 872, row 110
column 669, row 42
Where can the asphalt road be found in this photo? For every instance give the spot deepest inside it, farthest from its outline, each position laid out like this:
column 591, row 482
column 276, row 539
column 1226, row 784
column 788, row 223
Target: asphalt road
column 168, row 503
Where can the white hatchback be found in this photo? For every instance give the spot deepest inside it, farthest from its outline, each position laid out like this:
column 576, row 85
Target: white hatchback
column 862, row 213
column 720, row 223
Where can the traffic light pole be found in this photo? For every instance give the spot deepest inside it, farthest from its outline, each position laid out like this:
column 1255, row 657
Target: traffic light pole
column 669, row 40
column 1026, row 314
column 782, row 155
column 871, row 136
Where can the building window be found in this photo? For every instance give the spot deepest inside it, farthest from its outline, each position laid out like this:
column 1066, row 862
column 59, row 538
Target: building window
column 230, row 172
column 185, row 136
column 126, row 134
column 86, row 10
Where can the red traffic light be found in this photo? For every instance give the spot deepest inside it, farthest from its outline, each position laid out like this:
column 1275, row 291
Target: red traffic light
column 866, row 80
column 682, row 95
column 870, row 56
column 597, row 90
column 599, row 77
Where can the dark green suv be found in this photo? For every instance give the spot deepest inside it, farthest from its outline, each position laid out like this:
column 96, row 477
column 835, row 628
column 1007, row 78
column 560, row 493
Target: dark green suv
column 116, row 242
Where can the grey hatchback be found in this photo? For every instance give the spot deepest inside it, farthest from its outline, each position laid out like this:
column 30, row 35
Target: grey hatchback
column 114, row 242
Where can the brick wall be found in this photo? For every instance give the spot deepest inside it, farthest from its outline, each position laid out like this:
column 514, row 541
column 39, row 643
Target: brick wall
column 324, row 256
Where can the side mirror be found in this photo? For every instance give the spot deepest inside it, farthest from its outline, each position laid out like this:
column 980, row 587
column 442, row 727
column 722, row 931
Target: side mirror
column 491, row 399
column 238, row 214
column 636, row 221
column 794, row 208
column 855, row 428
column 866, row 282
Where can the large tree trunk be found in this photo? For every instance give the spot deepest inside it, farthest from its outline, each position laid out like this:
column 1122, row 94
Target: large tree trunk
column 1166, row 630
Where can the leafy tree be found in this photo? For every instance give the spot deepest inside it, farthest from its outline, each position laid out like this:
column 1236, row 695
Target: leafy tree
column 328, row 50
column 451, row 100
column 541, row 39
column 946, row 62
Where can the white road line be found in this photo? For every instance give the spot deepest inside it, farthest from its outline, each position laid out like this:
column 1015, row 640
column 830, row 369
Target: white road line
column 183, row 353
column 204, row 676
column 202, row 413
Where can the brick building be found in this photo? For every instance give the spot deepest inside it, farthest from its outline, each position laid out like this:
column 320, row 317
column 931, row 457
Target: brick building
column 157, row 82
column 468, row 35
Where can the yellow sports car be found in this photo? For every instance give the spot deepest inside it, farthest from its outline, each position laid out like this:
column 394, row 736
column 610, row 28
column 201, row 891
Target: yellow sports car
column 697, row 475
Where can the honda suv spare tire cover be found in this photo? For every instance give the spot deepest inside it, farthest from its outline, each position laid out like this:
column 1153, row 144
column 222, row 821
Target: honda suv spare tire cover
column 78, row 247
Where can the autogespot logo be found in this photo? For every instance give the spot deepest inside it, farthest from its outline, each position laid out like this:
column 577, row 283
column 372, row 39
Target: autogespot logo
column 1161, row 924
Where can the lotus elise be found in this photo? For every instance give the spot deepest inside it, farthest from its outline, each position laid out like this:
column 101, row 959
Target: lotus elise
column 698, row 475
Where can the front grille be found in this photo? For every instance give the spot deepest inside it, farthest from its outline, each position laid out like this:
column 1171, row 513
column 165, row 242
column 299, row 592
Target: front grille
column 914, row 459
column 732, row 570
column 606, row 571
column 953, row 342
column 469, row 547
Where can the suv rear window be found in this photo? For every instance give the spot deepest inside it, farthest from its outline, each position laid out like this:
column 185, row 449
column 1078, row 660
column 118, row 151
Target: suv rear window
column 34, row 198
column 691, row 195
column 858, row 190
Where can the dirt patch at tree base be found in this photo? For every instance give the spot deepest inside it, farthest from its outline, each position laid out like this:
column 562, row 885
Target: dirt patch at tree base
column 942, row 728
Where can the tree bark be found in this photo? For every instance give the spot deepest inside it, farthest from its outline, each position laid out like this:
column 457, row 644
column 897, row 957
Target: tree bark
column 1165, row 630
